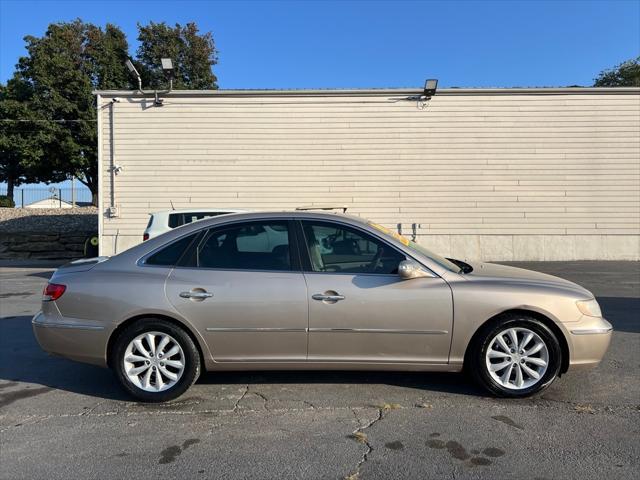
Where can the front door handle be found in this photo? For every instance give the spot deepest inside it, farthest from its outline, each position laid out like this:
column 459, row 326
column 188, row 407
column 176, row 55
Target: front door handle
column 331, row 297
column 196, row 295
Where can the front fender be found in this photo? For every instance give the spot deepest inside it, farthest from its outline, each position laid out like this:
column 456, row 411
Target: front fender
column 475, row 305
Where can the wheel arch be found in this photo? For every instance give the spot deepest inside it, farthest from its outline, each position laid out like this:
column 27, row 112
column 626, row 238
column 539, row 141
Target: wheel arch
column 130, row 321
column 548, row 322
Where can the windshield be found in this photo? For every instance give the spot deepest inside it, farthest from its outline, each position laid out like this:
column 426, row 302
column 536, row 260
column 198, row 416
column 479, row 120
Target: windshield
column 443, row 262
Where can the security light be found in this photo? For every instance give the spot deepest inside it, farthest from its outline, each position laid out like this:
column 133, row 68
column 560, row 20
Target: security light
column 130, row 66
column 167, row 68
column 133, row 70
column 167, row 64
column 430, row 87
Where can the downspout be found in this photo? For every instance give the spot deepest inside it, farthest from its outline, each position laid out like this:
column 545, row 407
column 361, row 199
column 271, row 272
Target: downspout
column 100, row 180
column 112, row 210
column 112, row 158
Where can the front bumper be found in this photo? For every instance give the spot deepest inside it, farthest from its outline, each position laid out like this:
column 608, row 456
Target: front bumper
column 71, row 338
column 589, row 342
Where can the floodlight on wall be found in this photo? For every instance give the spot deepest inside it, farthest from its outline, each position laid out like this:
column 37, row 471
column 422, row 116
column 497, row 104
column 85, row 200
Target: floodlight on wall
column 167, row 65
column 422, row 100
column 167, row 68
column 133, row 70
column 430, row 87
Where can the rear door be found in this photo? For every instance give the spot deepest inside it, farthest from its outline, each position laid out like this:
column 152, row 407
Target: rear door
column 359, row 308
column 243, row 288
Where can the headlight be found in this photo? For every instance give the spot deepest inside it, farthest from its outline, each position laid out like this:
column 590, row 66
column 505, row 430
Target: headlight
column 589, row 308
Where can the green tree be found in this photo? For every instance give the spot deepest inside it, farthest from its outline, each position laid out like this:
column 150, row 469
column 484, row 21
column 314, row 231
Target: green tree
column 193, row 56
column 23, row 136
column 627, row 74
column 61, row 69
column 49, row 133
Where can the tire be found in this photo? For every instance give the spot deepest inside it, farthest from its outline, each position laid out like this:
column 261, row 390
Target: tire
column 487, row 355
column 152, row 376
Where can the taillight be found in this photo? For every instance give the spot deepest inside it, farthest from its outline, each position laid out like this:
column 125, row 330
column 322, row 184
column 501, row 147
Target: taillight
column 53, row 291
column 145, row 236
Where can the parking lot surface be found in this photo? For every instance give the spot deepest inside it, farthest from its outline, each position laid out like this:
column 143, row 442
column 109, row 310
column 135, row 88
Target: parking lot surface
column 64, row 420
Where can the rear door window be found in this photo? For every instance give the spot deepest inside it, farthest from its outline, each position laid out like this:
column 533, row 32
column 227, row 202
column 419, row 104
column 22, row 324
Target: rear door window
column 245, row 246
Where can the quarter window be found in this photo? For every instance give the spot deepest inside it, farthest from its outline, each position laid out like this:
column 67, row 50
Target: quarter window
column 336, row 248
column 169, row 255
column 247, row 246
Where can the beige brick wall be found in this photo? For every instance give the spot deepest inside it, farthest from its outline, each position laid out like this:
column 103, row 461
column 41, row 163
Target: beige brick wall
column 491, row 175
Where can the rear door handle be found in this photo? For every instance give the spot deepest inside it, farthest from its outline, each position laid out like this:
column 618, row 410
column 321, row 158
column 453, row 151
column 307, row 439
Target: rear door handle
column 196, row 295
column 327, row 298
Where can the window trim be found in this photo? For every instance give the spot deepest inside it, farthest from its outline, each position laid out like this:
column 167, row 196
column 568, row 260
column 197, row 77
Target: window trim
column 142, row 261
column 294, row 253
column 308, row 268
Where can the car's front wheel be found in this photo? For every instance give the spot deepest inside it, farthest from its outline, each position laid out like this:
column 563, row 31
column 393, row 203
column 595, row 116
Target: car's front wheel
column 155, row 360
column 516, row 356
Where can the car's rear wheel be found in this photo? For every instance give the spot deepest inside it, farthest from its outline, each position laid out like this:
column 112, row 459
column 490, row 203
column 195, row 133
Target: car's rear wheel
column 516, row 356
column 155, row 360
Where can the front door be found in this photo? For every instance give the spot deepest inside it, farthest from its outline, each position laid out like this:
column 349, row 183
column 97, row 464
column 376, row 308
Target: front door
column 359, row 308
column 243, row 288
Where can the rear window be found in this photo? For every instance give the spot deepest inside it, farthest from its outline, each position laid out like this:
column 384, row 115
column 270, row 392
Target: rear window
column 169, row 255
column 179, row 219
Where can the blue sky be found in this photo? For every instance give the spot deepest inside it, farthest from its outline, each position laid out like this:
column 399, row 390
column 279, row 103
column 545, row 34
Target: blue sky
column 333, row 44
column 304, row 44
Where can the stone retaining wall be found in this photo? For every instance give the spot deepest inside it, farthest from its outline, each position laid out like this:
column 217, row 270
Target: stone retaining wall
column 45, row 234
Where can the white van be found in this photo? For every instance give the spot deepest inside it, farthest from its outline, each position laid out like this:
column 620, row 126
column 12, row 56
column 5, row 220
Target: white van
column 161, row 222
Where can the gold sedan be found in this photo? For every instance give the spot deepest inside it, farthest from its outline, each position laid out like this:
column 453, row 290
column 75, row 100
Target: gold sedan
column 303, row 290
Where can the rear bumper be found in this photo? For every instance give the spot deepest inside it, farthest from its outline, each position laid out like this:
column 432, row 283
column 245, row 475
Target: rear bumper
column 589, row 342
column 71, row 338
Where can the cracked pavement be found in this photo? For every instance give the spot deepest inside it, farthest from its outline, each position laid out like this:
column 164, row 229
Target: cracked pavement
column 64, row 420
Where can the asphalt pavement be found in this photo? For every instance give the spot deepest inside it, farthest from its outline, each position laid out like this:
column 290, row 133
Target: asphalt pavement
column 65, row 420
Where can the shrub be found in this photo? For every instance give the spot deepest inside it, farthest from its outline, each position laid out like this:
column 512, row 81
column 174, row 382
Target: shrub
column 6, row 202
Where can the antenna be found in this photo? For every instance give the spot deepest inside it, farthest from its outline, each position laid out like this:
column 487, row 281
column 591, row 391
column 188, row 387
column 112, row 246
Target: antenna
column 172, row 207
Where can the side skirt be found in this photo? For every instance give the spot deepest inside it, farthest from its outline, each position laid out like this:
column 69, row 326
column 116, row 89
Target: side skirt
column 346, row 366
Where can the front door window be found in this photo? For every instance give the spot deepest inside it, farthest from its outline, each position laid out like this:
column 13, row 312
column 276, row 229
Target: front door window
column 340, row 249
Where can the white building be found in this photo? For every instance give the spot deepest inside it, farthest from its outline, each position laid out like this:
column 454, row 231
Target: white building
column 51, row 202
column 492, row 174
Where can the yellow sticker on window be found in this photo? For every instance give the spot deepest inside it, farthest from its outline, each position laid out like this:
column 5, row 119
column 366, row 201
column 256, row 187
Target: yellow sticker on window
column 391, row 233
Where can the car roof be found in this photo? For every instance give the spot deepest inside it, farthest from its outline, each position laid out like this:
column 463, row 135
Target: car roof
column 197, row 210
column 257, row 215
column 317, row 215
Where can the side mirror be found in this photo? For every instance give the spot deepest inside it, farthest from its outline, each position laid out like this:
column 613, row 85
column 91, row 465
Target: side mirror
column 408, row 269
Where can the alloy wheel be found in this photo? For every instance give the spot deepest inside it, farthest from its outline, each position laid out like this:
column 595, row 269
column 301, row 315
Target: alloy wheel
column 517, row 358
column 154, row 361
